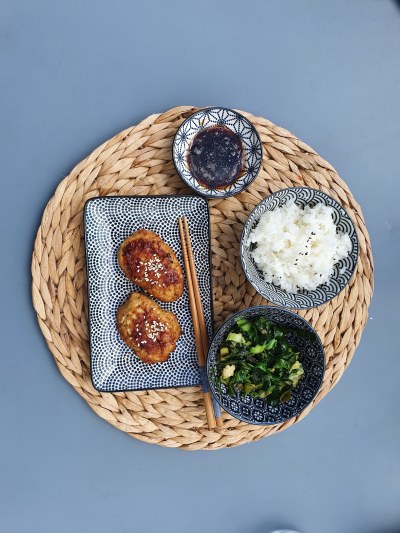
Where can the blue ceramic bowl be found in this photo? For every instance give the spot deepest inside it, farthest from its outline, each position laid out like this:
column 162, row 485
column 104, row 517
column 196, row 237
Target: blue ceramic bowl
column 343, row 270
column 207, row 118
column 312, row 357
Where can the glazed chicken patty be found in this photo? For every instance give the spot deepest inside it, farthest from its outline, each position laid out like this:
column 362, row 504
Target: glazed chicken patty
column 151, row 332
column 152, row 265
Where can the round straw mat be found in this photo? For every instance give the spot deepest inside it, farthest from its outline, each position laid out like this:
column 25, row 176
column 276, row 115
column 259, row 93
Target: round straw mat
column 138, row 161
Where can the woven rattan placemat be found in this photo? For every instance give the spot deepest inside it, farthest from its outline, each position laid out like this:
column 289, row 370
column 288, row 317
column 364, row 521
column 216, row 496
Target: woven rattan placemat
column 138, row 161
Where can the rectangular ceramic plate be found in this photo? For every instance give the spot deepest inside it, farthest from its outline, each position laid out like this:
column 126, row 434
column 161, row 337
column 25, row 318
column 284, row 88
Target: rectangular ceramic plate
column 108, row 221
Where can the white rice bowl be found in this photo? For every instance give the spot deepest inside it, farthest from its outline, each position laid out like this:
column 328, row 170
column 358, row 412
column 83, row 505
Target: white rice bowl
column 297, row 248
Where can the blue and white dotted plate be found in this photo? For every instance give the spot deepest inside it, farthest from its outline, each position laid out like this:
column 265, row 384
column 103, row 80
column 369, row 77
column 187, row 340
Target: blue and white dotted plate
column 218, row 116
column 108, row 221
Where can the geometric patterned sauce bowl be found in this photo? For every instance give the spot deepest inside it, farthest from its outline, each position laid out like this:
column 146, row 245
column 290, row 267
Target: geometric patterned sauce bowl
column 207, row 118
column 312, row 358
column 342, row 271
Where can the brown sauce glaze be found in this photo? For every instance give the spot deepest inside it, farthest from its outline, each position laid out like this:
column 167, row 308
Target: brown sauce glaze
column 149, row 332
column 216, row 157
column 146, row 260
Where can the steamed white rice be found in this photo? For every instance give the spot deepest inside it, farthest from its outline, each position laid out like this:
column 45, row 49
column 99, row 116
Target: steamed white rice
column 297, row 248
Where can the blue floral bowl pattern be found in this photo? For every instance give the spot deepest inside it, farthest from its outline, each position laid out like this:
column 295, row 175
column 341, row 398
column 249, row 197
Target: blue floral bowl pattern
column 343, row 270
column 312, row 357
column 218, row 116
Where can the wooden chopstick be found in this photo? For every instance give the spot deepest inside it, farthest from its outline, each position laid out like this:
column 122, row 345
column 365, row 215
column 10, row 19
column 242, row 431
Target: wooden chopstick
column 208, row 404
column 199, row 308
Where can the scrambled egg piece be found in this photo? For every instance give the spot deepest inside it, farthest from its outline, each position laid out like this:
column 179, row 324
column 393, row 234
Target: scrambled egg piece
column 228, row 371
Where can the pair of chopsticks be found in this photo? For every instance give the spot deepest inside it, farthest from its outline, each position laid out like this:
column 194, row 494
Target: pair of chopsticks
column 213, row 411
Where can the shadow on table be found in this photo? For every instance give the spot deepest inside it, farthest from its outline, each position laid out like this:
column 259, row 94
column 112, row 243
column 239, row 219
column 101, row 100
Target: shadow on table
column 270, row 526
column 387, row 529
column 397, row 3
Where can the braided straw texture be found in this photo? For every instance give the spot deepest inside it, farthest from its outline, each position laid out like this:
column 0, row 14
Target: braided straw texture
column 138, row 161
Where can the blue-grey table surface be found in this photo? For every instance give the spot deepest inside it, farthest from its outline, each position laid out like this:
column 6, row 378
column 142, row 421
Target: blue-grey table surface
column 74, row 73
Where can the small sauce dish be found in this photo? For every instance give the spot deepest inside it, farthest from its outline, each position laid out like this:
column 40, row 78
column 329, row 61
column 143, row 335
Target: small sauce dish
column 217, row 152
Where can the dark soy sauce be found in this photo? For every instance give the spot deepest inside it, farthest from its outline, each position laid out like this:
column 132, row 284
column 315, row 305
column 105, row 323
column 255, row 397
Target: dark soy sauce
column 216, row 157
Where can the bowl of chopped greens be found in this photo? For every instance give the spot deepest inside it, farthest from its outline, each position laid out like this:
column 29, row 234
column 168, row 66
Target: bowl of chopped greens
column 265, row 365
